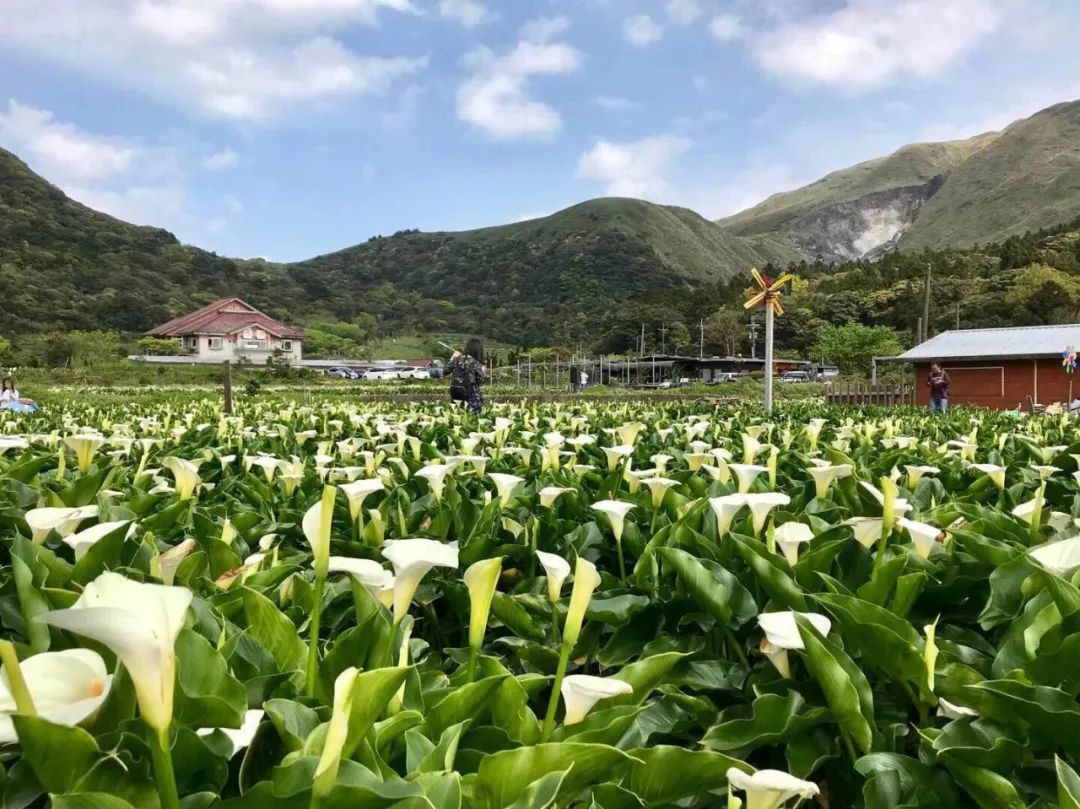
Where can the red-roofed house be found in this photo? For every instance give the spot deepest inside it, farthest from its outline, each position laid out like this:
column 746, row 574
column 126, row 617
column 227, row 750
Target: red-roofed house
column 230, row 329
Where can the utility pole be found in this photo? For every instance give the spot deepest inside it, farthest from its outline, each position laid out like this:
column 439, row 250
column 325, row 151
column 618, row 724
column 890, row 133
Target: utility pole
column 663, row 340
column 926, row 304
column 701, row 342
column 958, row 315
column 641, row 348
column 753, row 338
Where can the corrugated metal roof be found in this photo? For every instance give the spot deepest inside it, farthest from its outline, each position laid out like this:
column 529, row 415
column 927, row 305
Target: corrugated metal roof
column 1019, row 342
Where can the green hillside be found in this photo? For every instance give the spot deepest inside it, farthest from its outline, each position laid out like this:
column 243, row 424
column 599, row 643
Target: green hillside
column 1027, row 179
column 64, row 266
column 913, row 165
column 936, row 195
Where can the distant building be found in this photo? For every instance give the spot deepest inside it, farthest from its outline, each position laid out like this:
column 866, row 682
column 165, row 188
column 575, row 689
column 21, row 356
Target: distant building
column 229, row 329
column 997, row 368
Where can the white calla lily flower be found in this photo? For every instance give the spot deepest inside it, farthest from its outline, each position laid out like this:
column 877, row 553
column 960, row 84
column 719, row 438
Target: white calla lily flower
column 505, row 486
column 725, row 508
column 337, row 733
column 556, row 569
column 615, row 511
column 85, row 446
column 923, row 535
column 746, row 474
column 658, row 487
column 139, row 623
column 316, row 526
column 952, row 711
column 916, row 473
column 761, row 505
column 581, row 692
column 243, row 736
column 993, row 471
column 782, row 635
column 378, row 580
column 435, row 474
column 412, row 559
column 549, row 494
column 1060, row 558
column 1026, row 510
column 481, row 579
column 825, row 476
column 65, row 521
column 185, row 475
column 617, row 454
column 867, row 530
column 586, row 580
column 84, row 540
column 770, row 789
column 66, row 687
column 790, row 537
column 358, row 491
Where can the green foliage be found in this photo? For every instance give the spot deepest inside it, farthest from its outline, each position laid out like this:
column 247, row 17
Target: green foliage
column 156, row 346
column 852, row 346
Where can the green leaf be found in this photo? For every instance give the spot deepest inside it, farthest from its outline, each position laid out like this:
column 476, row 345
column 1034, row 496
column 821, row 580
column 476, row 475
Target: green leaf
column 662, row 775
column 103, row 555
column 32, row 604
column 270, row 627
column 771, row 572
column 89, row 800
column 843, row 683
column 294, row 722
column 209, row 696
column 645, row 675
column 712, row 586
column 469, row 702
column 542, row 792
column 1068, row 785
column 59, row 755
column 505, row 776
column 990, row 790
column 775, row 718
column 1052, row 715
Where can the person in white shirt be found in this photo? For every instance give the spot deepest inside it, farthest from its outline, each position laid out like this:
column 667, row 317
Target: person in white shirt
column 583, row 381
column 9, row 396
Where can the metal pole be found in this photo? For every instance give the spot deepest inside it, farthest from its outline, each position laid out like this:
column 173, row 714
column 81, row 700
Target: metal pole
column 768, row 357
column 226, row 380
column 701, row 342
column 641, row 348
column 958, row 315
column 926, row 305
column 663, row 339
column 873, row 370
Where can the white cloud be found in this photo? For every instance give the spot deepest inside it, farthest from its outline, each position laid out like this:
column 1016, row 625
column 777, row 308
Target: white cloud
column 154, row 205
column 495, row 98
column 60, row 151
column 640, row 30
column 726, row 27
column 870, row 43
column 224, row 159
column 545, row 29
column 615, row 104
column 246, row 60
column 467, row 12
column 233, row 204
column 684, row 12
column 634, row 169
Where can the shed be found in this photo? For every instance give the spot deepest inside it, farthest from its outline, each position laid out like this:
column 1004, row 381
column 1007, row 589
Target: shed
column 997, row 368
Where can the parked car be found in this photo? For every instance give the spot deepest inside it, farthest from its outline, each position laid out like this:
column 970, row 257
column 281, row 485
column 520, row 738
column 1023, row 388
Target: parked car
column 723, row 376
column 342, row 373
column 795, row 376
column 378, row 374
column 413, row 372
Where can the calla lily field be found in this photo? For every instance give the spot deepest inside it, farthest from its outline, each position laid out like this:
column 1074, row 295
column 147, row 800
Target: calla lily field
column 604, row 605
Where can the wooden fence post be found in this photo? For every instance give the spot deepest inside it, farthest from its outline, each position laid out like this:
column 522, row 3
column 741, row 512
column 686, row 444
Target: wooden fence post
column 226, row 379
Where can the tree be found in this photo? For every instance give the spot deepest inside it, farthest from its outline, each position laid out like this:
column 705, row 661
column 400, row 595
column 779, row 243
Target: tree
column 852, row 346
column 679, row 336
column 1044, row 294
column 725, row 330
column 156, row 346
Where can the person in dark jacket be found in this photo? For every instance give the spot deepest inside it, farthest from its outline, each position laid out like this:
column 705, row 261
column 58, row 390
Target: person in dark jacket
column 467, row 374
column 939, row 383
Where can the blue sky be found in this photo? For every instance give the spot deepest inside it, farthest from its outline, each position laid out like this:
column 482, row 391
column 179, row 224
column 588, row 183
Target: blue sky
column 289, row 128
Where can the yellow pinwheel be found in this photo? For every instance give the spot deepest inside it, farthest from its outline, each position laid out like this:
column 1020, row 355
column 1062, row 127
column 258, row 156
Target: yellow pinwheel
column 769, row 294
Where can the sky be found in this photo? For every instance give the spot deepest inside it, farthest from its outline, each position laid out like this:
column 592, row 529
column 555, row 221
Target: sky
column 291, row 128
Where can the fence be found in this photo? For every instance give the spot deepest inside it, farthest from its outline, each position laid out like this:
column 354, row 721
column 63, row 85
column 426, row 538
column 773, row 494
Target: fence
column 851, row 393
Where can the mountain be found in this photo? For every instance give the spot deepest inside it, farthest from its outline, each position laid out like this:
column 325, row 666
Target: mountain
column 64, row 266
column 936, row 195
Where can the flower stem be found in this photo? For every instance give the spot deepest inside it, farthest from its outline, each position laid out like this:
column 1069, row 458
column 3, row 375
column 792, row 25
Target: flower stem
column 622, row 563
column 313, row 643
column 553, row 702
column 24, row 704
column 735, row 645
column 470, row 671
column 879, row 560
column 554, row 623
column 163, row 768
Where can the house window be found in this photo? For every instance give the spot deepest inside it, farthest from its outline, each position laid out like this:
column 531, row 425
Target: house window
column 247, row 334
column 214, row 343
column 191, row 342
column 286, row 345
column 260, row 334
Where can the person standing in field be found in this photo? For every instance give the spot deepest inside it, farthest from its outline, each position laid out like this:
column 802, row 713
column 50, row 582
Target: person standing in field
column 938, row 381
column 467, row 374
